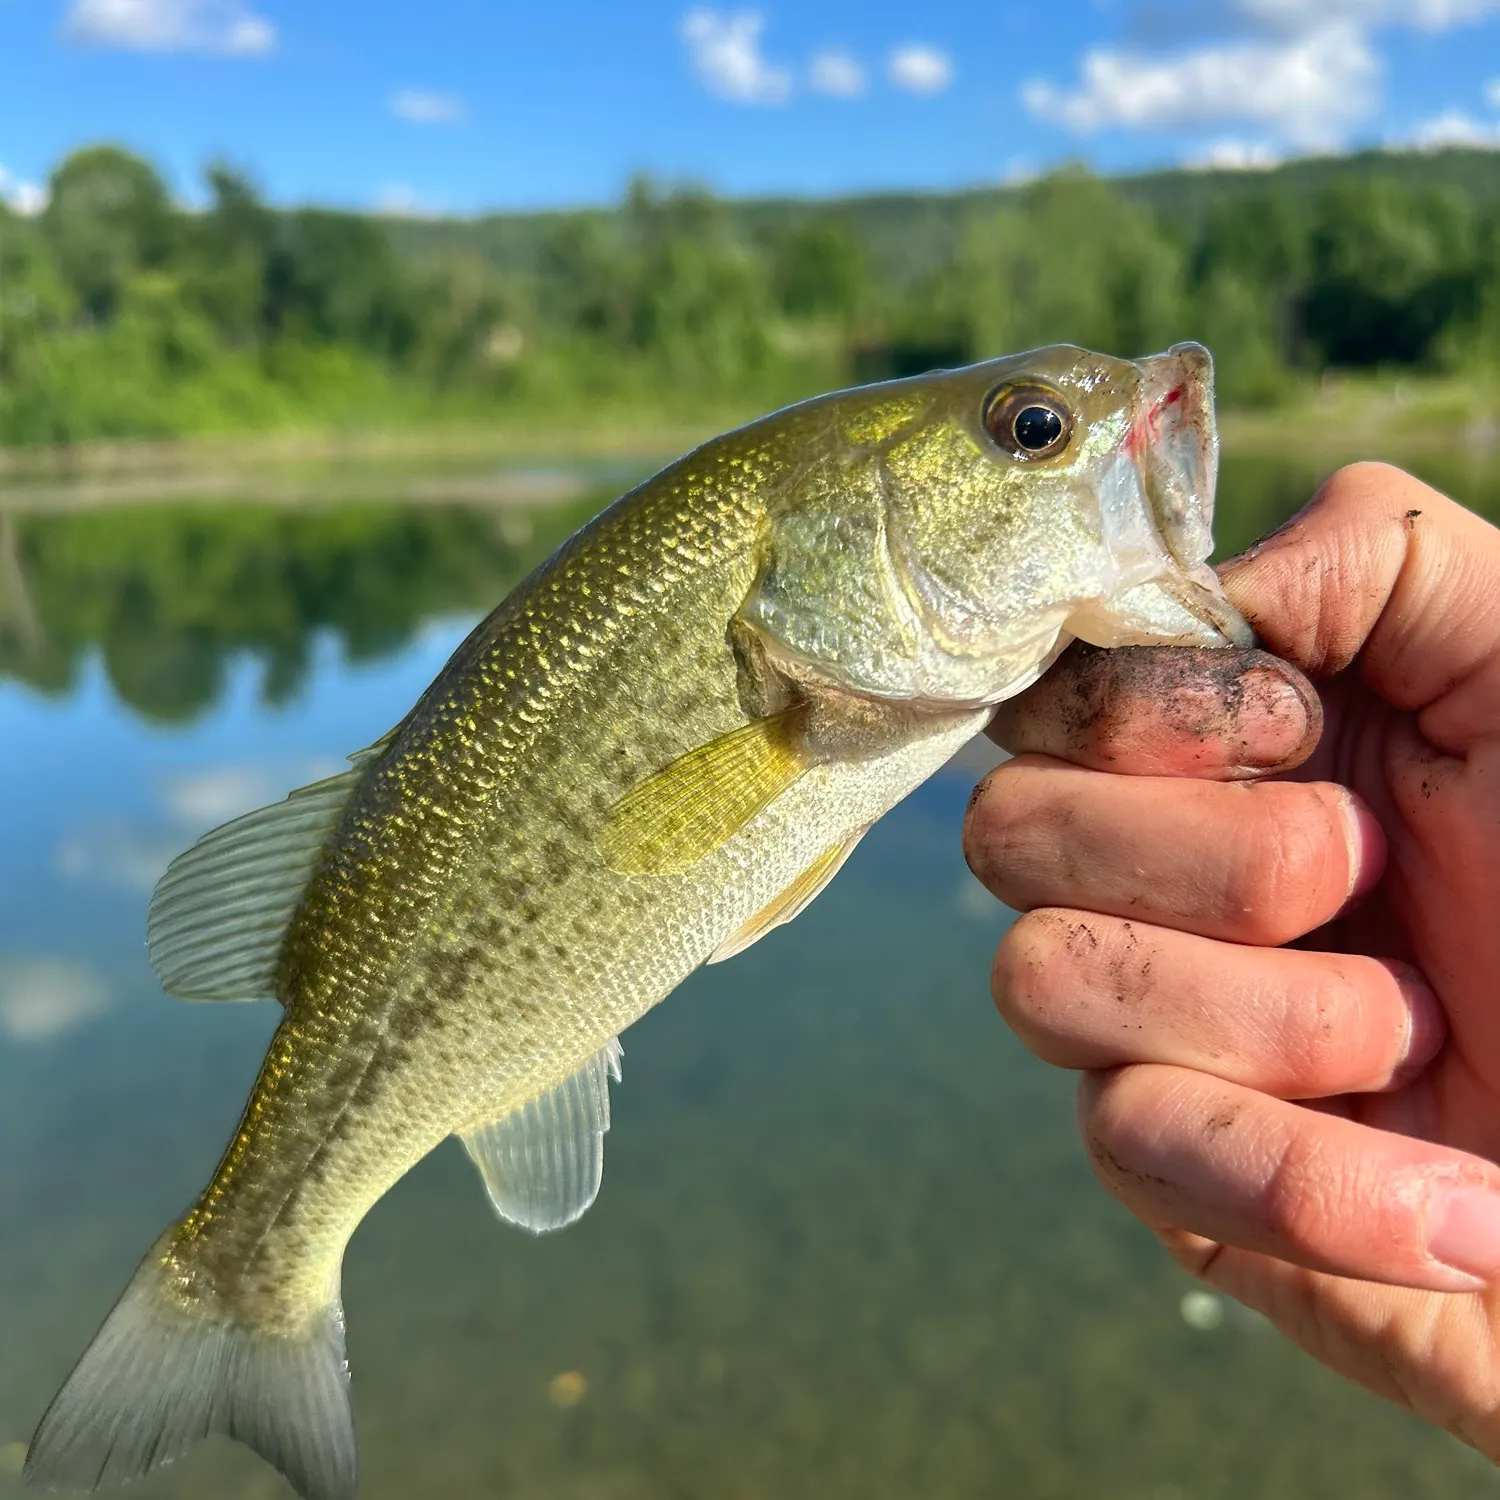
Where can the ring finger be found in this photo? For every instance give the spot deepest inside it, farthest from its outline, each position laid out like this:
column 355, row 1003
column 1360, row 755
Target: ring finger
column 1090, row 991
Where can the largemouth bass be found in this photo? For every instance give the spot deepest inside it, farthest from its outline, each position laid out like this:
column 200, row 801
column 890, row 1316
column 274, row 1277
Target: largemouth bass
column 661, row 746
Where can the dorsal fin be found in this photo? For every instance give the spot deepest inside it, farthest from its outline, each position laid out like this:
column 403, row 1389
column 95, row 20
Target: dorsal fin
column 220, row 913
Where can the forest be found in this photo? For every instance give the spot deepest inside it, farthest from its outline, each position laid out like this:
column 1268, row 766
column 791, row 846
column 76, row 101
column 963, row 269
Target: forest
column 125, row 314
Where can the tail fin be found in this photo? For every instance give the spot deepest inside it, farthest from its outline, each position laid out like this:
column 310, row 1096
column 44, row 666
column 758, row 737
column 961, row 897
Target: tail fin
column 160, row 1376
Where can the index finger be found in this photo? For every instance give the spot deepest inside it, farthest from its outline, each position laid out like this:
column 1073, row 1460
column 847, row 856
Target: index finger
column 1386, row 574
column 1166, row 711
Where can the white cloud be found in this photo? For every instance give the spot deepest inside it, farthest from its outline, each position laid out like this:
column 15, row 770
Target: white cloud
column 113, row 852
column 837, row 74
column 222, row 26
column 1425, row 15
column 921, row 70
column 204, row 799
column 726, row 55
column 1452, row 128
column 400, row 200
column 132, row 856
column 1234, row 156
column 1307, row 88
column 423, row 108
column 42, row 998
column 1492, row 93
column 24, row 197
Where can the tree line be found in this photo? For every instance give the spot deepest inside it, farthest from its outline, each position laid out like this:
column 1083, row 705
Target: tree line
column 123, row 313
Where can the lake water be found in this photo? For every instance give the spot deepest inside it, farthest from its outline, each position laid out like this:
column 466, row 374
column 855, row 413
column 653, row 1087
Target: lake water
column 847, row 1244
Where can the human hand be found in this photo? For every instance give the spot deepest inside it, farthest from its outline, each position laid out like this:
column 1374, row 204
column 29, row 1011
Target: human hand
column 1312, row 1130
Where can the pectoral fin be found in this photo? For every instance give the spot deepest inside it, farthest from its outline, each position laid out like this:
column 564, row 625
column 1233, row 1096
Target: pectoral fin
column 790, row 903
column 673, row 819
column 542, row 1164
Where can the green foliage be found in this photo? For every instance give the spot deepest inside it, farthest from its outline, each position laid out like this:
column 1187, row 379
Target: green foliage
column 1391, row 269
column 820, row 270
column 108, row 217
column 1071, row 261
column 122, row 313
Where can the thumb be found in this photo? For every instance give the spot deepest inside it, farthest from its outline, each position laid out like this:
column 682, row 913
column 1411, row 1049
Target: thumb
column 1382, row 569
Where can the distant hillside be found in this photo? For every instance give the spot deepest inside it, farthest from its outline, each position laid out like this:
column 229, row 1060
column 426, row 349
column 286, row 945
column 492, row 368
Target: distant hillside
column 910, row 234
column 125, row 314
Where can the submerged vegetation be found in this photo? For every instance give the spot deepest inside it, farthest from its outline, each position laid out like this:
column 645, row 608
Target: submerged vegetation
column 124, row 314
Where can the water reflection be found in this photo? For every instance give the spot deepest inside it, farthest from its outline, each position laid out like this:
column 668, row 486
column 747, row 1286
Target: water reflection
column 846, row 1243
column 169, row 594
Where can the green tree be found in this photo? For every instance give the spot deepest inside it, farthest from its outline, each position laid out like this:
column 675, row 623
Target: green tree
column 819, row 269
column 700, row 300
column 335, row 277
column 467, row 319
column 231, row 250
column 1391, row 269
column 1249, row 270
column 1072, row 261
column 108, row 217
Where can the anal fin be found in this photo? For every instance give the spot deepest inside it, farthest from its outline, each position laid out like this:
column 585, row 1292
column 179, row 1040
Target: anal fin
column 790, row 903
column 542, row 1163
column 684, row 812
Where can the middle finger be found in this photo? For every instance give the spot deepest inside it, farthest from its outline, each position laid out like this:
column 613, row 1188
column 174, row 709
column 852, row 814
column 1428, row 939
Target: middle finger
column 1261, row 862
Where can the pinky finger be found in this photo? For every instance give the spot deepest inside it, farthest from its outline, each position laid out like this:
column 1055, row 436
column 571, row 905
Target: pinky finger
column 1303, row 1186
column 1425, row 1351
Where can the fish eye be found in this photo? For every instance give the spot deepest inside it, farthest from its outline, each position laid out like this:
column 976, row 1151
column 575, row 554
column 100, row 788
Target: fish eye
column 1028, row 421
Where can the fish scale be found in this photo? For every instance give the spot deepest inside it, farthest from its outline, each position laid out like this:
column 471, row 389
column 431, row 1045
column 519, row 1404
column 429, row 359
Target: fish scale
column 658, row 748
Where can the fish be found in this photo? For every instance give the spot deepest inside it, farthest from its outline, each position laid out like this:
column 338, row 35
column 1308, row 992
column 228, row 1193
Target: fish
column 661, row 746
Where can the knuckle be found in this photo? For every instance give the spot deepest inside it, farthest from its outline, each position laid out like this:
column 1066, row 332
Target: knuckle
column 1322, row 1035
column 1309, row 1196
column 1292, row 872
column 1290, row 1211
column 1356, row 485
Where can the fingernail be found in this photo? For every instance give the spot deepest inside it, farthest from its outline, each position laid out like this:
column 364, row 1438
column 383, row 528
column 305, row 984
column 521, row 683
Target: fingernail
column 1366, row 843
column 1426, row 1023
column 1464, row 1229
column 1272, row 719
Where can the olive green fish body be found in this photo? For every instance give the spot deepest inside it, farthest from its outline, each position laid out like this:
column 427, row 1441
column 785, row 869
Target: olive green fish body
column 658, row 747
column 464, row 947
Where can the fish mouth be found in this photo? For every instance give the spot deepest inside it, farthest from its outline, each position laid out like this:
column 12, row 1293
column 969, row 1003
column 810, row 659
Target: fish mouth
column 1174, row 443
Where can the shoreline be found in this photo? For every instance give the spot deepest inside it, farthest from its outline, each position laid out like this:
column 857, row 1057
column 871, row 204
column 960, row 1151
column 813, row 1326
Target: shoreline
column 517, row 439
column 542, row 463
column 515, row 465
column 501, row 489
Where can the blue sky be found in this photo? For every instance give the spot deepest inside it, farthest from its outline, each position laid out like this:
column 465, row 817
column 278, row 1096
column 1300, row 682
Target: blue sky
column 463, row 105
